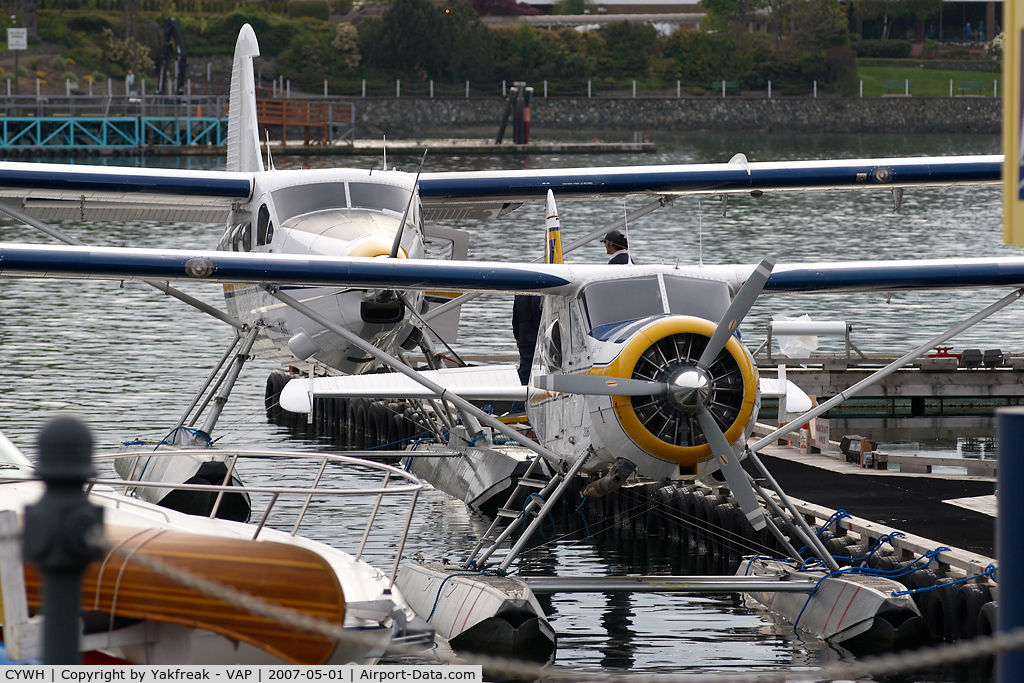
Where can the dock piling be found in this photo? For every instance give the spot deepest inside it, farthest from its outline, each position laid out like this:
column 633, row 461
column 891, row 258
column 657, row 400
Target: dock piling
column 1010, row 495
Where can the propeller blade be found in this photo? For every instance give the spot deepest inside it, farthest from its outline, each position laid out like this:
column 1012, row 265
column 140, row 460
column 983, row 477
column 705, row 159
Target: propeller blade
column 745, row 298
column 735, row 475
column 596, row 385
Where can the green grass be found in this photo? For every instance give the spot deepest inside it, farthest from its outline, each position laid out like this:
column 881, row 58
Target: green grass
column 923, row 82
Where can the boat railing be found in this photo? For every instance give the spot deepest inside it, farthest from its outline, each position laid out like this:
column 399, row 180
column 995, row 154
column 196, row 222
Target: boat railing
column 394, row 482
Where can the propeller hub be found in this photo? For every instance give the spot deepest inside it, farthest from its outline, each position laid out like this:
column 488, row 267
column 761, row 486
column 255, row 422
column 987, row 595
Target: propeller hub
column 690, row 389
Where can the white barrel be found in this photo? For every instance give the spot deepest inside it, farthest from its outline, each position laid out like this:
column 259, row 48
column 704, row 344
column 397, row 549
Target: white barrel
column 807, row 327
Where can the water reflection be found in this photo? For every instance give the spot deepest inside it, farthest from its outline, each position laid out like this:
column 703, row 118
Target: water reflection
column 129, row 358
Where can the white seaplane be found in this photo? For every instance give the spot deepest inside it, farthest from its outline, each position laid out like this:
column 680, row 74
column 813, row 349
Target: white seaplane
column 651, row 379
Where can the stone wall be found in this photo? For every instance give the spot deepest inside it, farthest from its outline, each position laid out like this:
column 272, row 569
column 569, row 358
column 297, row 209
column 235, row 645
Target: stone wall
column 410, row 116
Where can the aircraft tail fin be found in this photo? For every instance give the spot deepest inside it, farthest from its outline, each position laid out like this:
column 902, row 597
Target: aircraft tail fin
column 553, row 246
column 243, row 133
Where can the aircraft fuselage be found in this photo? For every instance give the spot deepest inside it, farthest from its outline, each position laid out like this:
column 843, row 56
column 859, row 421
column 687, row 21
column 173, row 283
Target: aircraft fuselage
column 326, row 212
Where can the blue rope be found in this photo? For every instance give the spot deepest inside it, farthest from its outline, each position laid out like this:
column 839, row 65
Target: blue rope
column 889, row 574
column 989, row 571
column 586, row 523
column 554, row 527
column 437, row 598
column 395, row 443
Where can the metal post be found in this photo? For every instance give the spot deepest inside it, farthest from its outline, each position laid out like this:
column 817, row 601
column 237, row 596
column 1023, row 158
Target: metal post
column 503, row 91
column 1010, row 423
column 723, row 87
column 288, row 89
column 208, row 73
column 37, row 88
column 862, row 87
column 906, row 90
column 325, row 87
column 364, row 87
column 431, row 87
column 951, row 87
column 57, row 532
column 398, row 87
column 467, row 90
column 769, row 90
column 588, row 88
column 815, row 88
column 545, row 89
column 67, row 87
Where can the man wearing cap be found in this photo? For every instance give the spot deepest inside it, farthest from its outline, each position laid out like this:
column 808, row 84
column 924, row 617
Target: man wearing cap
column 616, row 245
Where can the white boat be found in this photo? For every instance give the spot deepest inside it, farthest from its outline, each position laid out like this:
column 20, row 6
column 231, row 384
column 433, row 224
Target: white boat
column 134, row 615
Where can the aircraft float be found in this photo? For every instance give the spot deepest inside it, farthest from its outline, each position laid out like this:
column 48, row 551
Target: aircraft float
column 639, row 369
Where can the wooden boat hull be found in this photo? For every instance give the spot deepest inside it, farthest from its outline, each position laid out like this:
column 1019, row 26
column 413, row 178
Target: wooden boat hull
column 286, row 575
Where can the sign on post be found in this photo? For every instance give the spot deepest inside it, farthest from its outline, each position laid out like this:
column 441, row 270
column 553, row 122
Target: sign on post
column 17, row 39
column 821, row 434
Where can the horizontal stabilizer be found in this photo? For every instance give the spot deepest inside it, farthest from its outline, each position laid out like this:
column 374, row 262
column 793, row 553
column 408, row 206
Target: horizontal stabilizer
column 484, row 382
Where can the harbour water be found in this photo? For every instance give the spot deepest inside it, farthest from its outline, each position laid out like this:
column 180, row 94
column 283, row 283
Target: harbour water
column 127, row 359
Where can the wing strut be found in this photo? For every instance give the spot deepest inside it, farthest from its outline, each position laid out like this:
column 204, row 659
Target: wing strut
column 572, row 246
column 391, row 361
column 162, row 286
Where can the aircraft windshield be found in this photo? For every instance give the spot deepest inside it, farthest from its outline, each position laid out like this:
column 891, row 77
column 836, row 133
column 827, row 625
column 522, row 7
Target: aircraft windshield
column 706, row 299
column 617, row 301
column 300, row 199
column 378, row 197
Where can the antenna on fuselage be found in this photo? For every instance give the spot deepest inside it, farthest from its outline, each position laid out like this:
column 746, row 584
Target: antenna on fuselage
column 270, row 159
column 401, row 226
column 700, row 235
column 625, row 227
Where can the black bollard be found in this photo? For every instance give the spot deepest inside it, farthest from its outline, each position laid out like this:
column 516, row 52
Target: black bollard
column 57, row 531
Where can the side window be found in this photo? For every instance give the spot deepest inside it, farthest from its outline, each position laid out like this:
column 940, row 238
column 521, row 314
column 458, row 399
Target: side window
column 264, row 227
column 242, row 239
column 553, row 346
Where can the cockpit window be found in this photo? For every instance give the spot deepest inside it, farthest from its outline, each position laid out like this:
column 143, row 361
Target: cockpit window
column 617, row 300
column 700, row 298
column 378, row 197
column 300, row 199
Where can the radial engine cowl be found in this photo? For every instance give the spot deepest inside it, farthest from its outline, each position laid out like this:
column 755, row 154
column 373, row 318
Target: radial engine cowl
column 666, row 426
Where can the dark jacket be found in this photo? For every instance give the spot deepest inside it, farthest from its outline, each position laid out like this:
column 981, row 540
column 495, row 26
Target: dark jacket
column 621, row 257
column 526, row 320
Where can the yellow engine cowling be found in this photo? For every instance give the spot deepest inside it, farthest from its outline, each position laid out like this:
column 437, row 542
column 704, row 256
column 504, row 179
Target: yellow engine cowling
column 660, row 352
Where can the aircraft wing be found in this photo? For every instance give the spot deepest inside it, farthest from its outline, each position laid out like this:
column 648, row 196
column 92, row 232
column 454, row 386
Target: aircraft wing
column 52, row 192
column 115, row 263
column 482, row 194
column 483, row 382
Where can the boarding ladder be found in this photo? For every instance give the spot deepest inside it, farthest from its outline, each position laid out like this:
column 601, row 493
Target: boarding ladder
column 549, row 493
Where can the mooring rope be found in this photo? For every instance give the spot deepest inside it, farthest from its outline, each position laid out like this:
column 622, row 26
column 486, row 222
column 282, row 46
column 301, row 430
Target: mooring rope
column 903, row 662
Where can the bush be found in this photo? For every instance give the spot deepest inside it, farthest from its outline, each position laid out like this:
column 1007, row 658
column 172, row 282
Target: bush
column 69, row 76
column 930, row 48
column 883, row 49
column 317, row 9
column 58, row 63
column 89, row 24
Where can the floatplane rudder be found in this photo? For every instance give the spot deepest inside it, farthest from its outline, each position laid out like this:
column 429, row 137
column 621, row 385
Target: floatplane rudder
column 243, row 132
column 553, row 232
